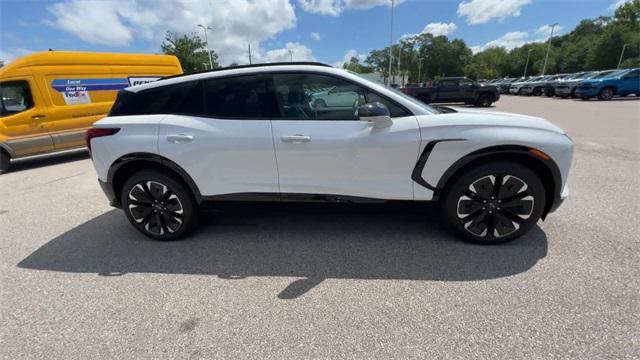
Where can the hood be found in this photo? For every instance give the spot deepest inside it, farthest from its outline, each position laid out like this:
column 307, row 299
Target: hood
column 490, row 118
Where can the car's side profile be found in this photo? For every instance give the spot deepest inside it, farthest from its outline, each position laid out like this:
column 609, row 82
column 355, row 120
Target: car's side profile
column 621, row 83
column 252, row 133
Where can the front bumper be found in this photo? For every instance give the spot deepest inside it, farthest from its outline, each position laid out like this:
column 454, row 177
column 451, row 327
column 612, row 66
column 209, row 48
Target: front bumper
column 586, row 92
column 559, row 199
column 107, row 189
column 562, row 90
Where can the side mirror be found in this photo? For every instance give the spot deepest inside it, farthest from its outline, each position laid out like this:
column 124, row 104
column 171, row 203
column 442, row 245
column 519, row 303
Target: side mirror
column 375, row 113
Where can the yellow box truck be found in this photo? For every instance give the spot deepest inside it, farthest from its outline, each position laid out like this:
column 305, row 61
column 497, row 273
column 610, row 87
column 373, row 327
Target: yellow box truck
column 48, row 99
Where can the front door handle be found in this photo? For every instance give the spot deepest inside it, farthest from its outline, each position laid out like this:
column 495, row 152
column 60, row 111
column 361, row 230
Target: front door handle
column 179, row 138
column 295, row 138
column 38, row 117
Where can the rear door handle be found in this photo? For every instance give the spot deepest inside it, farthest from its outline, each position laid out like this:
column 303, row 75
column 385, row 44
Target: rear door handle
column 179, row 138
column 295, row 138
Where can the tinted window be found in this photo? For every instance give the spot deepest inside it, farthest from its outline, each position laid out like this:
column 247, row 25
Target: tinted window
column 465, row 82
column 449, row 83
column 15, row 97
column 250, row 97
column 183, row 98
column 633, row 75
column 321, row 97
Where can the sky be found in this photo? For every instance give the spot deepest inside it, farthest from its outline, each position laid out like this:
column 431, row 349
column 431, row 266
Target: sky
column 329, row 31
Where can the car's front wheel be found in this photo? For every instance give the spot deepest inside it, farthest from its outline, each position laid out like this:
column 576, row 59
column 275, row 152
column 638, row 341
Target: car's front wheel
column 606, row 94
column 159, row 205
column 494, row 202
column 485, row 100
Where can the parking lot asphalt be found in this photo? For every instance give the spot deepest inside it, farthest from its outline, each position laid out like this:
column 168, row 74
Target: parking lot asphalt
column 78, row 282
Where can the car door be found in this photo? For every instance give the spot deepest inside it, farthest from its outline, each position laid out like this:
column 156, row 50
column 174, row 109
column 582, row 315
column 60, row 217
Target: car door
column 447, row 90
column 25, row 117
column 630, row 83
column 330, row 151
column 466, row 90
column 224, row 142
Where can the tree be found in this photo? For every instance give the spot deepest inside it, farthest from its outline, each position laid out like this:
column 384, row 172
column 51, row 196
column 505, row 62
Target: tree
column 355, row 66
column 190, row 51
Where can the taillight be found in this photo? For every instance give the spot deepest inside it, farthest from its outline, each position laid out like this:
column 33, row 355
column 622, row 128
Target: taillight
column 98, row 132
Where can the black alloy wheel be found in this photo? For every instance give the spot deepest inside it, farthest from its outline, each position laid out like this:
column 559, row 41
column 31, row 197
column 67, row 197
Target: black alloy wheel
column 494, row 203
column 606, row 94
column 485, row 100
column 158, row 205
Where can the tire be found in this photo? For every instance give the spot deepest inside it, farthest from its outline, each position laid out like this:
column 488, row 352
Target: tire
column 584, row 98
column 606, row 94
column 159, row 205
column 5, row 161
column 572, row 94
column 536, row 92
column 319, row 103
column 549, row 92
column 470, row 212
column 484, row 100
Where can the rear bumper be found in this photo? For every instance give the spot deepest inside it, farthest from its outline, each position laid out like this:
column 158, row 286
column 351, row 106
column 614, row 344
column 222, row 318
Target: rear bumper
column 107, row 189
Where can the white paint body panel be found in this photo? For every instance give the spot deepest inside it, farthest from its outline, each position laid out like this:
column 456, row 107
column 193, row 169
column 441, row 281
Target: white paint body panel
column 352, row 158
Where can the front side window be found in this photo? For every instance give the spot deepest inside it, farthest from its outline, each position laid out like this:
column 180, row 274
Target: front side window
column 632, row 75
column 449, row 83
column 16, row 97
column 321, row 97
column 465, row 82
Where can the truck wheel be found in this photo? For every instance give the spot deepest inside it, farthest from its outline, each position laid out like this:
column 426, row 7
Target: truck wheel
column 493, row 202
column 484, row 100
column 606, row 94
column 4, row 161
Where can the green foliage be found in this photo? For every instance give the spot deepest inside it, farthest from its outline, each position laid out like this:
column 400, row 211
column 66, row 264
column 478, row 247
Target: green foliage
column 355, row 66
column 190, row 50
column 594, row 44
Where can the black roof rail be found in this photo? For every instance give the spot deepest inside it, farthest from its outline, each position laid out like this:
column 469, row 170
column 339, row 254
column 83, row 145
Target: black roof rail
column 250, row 66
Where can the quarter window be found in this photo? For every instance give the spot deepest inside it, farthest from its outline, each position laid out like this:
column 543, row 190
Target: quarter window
column 16, row 97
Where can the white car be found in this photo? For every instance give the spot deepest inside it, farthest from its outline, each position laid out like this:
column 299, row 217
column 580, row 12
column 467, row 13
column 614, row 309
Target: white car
column 250, row 134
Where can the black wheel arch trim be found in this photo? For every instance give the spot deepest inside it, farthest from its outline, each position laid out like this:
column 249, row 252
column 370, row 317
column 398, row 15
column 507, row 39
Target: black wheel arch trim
column 160, row 160
column 416, row 175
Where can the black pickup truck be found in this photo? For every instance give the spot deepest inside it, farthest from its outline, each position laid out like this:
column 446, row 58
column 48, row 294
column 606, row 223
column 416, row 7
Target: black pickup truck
column 453, row 90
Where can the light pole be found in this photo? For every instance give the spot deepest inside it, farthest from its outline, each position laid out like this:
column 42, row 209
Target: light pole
column 291, row 54
column 391, row 42
column 544, row 67
column 249, row 54
column 621, row 55
column 399, row 57
column 527, row 63
column 419, row 70
column 206, row 40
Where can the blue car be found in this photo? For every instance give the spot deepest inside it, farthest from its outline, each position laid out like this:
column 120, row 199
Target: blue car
column 622, row 83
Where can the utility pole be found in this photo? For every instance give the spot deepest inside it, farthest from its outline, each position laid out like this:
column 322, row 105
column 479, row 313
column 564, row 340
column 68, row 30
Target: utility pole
column 206, row 40
column 399, row 57
column 249, row 54
column 291, row 54
column 527, row 63
column 621, row 55
column 544, row 68
column 391, row 42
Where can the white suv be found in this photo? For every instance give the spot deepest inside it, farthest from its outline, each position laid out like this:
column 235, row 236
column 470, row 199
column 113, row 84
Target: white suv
column 252, row 133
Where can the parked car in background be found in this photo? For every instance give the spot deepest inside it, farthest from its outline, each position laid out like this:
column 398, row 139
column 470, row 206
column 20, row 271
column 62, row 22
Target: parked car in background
column 504, row 84
column 535, row 87
column 453, row 90
column 618, row 83
column 515, row 87
column 167, row 148
column 563, row 87
column 568, row 87
column 48, row 99
column 547, row 85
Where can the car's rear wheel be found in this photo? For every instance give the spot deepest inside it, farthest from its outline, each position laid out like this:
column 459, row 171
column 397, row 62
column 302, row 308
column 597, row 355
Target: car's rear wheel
column 5, row 160
column 159, row 205
column 493, row 203
column 606, row 94
column 484, row 100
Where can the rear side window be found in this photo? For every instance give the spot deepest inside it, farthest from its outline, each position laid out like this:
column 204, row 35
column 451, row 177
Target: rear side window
column 182, row 98
column 242, row 97
column 15, row 97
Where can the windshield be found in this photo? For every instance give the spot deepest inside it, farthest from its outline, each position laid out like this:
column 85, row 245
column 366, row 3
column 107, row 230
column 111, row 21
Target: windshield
column 606, row 74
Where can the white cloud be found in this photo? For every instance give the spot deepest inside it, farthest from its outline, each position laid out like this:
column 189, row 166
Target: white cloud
column 509, row 41
column 483, row 11
column 545, row 30
column 336, row 7
column 121, row 22
column 9, row 55
column 324, row 7
column 439, row 28
column 351, row 53
column 315, row 36
column 298, row 51
column 617, row 3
